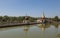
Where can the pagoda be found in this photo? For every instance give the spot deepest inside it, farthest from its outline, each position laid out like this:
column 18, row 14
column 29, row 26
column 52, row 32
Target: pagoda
column 42, row 19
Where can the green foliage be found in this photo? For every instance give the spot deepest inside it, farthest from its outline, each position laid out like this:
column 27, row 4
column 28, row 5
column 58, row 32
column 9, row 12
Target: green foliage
column 32, row 19
column 56, row 18
column 10, row 19
column 1, row 18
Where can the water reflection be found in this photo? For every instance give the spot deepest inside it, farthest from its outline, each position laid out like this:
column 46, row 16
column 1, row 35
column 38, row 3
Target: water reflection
column 33, row 31
column 58, row 36
column 26, row 28
column 43, row 26
column 56, row 25
column 53, row 30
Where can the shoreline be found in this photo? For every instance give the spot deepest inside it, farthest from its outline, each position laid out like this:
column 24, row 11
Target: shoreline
column 21, row 24
column 17, row 24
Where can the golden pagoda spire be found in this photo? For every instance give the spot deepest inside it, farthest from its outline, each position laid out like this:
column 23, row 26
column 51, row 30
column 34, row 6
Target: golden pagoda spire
column 43, row 16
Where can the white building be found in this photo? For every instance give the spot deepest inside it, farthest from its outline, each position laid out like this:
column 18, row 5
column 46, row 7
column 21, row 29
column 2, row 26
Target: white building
column 42, row 19
column 26, row 19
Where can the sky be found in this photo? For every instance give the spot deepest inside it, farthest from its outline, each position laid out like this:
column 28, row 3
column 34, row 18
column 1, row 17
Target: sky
column 33, row 8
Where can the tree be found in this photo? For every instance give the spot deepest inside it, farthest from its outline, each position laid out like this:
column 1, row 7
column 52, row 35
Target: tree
column 1, row 18
column 5, row 18
column 56, row 18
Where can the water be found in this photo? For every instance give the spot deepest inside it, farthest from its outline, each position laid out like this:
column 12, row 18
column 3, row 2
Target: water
column 31, row 31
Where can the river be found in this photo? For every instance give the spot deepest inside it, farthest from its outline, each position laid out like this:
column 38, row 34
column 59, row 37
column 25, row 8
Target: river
column 31, row 31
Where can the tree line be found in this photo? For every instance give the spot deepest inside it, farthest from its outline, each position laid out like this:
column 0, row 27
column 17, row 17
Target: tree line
column 19, row 19
column 56, row 18
column 12, row 19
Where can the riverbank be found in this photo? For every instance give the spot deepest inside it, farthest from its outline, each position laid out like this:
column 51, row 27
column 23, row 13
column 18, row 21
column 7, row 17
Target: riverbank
column 16, row 24
column 20, row 24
